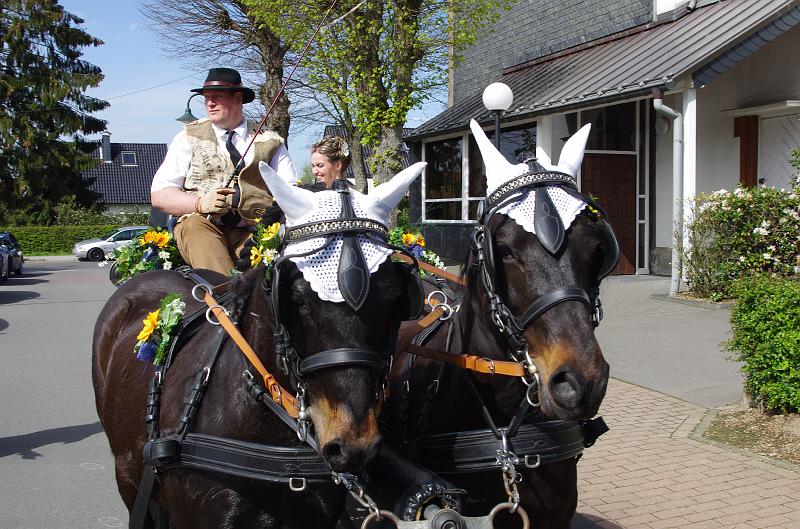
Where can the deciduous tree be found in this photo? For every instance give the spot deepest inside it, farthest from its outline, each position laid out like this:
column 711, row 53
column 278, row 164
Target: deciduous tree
column 379, row 60
column 43, row 109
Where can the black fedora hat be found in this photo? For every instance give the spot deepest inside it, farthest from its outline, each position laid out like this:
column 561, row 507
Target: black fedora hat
column 226, row 79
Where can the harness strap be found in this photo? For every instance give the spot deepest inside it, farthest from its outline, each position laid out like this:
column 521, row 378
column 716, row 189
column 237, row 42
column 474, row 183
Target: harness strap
column 243, row 459
column 471, row 362
column 336, row 357
column 549, row 300
column 476, row 450
column 429, row 268
column 278, row 393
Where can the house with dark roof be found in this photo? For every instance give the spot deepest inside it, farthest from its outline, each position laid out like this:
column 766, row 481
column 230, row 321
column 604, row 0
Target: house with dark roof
column 123, row 177
column 715, row 80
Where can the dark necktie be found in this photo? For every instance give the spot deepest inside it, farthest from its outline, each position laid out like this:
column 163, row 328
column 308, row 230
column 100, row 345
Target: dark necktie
column 231, row 219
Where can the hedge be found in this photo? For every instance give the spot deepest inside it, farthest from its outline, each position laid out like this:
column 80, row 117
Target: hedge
column 766, row 338
column 55, row 240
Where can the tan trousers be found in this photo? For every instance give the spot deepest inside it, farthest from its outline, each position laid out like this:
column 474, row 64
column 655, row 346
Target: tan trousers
column 204, row 244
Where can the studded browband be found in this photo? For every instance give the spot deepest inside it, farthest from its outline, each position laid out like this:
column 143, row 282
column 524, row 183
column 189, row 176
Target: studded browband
column 335, row 227
column 528, row 179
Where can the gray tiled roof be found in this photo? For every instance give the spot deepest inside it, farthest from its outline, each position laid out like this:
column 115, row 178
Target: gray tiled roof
column 366, row 151
column 534, row 28
column 126, row 184
column 614, row 69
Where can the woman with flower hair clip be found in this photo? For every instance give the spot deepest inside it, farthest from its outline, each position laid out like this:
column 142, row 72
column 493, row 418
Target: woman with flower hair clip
column 330, row 158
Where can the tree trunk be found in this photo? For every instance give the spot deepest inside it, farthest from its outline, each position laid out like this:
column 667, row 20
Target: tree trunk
column 273, row 54
column 357, row 161
column 387, row 157
column 387, row 160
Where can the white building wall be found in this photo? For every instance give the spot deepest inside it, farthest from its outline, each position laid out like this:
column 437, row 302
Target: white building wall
column 770, row 75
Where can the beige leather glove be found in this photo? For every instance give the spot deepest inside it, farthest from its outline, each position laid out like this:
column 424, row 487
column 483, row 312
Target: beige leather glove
column 216, row 201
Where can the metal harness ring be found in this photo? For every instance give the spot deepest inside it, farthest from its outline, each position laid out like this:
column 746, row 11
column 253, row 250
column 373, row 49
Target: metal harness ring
column 209, row 313
column 378, row 516
column 200, row 286
column 510, row 507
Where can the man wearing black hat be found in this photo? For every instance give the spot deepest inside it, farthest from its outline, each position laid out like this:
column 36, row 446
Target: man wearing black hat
column 215, row 220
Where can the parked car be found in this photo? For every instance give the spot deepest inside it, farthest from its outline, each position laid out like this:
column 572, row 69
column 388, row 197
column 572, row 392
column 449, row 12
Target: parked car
column 9, row 242
column 5, row 263
column 99, row 249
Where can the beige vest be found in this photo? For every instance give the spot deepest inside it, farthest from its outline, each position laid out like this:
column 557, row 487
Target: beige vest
column 211, row 167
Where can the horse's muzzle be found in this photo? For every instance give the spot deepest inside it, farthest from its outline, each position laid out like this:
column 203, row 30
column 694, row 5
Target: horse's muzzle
column 346, row 457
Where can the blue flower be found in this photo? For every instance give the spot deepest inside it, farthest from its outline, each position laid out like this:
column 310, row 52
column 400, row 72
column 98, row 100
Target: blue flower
column 416, row 251
column 150, row 254
column 147, row 351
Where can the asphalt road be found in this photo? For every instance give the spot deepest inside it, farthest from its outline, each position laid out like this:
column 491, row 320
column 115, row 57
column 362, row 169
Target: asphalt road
column 55, row 463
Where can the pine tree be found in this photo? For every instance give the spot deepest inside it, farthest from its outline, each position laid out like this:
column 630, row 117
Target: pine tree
column 44, row 110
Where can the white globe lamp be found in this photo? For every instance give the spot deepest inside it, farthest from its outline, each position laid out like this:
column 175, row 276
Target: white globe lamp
column 497, row 98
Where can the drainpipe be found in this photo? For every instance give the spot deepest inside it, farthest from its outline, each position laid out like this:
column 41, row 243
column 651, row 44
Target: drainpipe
column 692, row 4
column 677, row 180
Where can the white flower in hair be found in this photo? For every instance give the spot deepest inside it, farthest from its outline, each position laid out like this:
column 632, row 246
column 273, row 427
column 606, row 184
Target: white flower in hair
column 345, row 149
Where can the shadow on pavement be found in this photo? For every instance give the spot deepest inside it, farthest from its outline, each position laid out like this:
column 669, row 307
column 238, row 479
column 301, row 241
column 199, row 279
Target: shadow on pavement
column 3, row 325
column 590, row 521
column 24, row 444
column 15, row 296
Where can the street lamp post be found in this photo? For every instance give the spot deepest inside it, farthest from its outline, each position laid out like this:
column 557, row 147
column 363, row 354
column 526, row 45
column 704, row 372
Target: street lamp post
column 497, row 98
column 187, row 116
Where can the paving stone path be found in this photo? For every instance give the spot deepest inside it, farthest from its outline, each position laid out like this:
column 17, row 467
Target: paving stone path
column 650, row 472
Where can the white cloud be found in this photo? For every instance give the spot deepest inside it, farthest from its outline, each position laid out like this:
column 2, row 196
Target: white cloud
column 134, row 26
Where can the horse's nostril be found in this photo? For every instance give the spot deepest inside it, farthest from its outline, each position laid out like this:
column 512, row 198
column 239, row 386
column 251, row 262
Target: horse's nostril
column 565, row 388
column 332, row 451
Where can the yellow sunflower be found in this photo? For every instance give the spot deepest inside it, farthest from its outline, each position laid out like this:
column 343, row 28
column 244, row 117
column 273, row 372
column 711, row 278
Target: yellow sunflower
column 420, row 240
column 150, row 323
column 271, row 231
column 161, row 239
column 409, row 239
column 255, row 256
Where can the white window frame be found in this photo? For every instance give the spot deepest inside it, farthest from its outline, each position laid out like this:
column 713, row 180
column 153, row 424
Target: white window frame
column 465, row 197
column 122, row 158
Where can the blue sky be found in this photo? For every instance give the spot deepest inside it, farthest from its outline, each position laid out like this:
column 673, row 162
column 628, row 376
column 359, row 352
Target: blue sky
column 147, row 90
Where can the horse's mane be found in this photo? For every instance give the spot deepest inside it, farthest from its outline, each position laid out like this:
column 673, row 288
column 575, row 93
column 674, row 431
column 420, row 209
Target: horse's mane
column 246, row 277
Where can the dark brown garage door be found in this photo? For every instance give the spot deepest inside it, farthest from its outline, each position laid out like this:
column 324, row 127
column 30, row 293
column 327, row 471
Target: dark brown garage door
column 612, row 179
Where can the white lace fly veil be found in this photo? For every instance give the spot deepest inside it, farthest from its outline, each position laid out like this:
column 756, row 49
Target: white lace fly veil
column 500, row 171
column 317, row 260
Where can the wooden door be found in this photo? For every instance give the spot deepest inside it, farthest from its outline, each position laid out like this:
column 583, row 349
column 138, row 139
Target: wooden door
column 611, row 179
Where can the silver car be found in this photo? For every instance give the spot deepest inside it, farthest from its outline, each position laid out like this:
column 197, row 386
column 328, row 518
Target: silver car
column 99, row 249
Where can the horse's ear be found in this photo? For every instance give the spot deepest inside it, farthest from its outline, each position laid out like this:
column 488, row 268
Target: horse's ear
column 572, row 153
column 386, row 196
column 498, row 169
column 294, row 201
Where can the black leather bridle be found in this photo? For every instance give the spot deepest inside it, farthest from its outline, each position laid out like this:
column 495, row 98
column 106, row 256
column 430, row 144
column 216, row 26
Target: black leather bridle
column 551, row 233
column 354, row 283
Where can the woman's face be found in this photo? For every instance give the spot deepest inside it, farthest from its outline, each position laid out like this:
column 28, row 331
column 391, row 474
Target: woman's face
column 324, row 170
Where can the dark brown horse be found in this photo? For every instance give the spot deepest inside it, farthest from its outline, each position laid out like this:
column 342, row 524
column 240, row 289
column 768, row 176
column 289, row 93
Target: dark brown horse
column 519, row 296
column 341, row 391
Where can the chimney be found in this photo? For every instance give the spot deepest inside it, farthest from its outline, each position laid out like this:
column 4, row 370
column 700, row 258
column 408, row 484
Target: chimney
column 105, row 147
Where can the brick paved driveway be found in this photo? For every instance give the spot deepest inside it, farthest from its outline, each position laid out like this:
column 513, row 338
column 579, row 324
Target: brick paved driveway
column 649, row 472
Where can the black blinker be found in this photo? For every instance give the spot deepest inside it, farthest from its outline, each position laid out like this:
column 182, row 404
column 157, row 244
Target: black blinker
column 547, row 222
column 353, row 274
